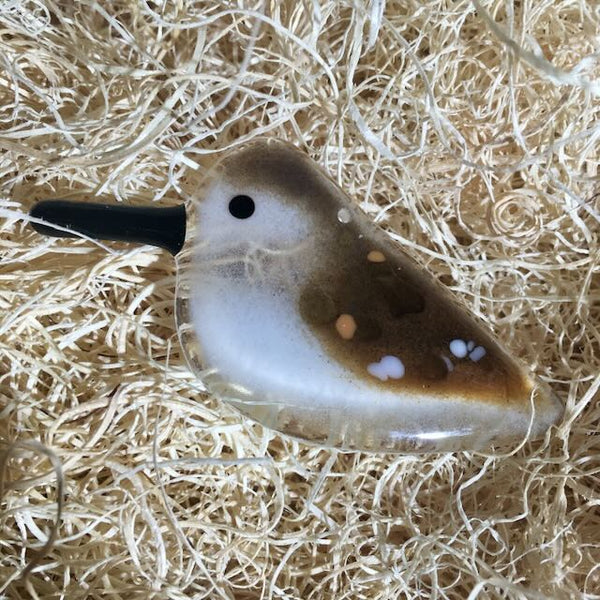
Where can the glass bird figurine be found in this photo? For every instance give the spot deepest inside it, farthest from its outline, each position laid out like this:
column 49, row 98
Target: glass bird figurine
column 295, row 308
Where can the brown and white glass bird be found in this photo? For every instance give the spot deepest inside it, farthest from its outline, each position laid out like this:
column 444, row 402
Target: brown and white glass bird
column 300, row 312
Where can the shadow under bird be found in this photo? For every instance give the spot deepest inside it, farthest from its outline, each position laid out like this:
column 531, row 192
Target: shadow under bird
column 295, row 308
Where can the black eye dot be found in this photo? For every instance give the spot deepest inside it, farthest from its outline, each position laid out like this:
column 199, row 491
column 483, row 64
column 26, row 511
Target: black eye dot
column 241, row 207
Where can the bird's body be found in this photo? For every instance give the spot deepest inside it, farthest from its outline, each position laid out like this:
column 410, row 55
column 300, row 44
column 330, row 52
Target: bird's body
column 306, row 316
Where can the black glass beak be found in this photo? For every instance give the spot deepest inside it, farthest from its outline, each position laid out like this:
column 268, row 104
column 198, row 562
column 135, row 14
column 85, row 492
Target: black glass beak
column 162, row 227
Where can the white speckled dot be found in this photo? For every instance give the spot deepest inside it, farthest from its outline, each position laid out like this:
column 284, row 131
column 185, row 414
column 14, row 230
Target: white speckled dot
column 389, row 367
column 458, row 348
column 448, row 363
column 344, row 215
column 477, row 354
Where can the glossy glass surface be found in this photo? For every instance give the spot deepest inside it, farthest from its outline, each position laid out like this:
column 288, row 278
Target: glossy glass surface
column 300, row 312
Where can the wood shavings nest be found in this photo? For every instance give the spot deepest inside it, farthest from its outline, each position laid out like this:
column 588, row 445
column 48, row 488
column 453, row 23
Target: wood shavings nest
column 469, row 131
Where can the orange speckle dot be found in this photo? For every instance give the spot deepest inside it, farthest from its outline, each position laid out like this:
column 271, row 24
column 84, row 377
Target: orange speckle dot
column 375, row 256
column 346, row 326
